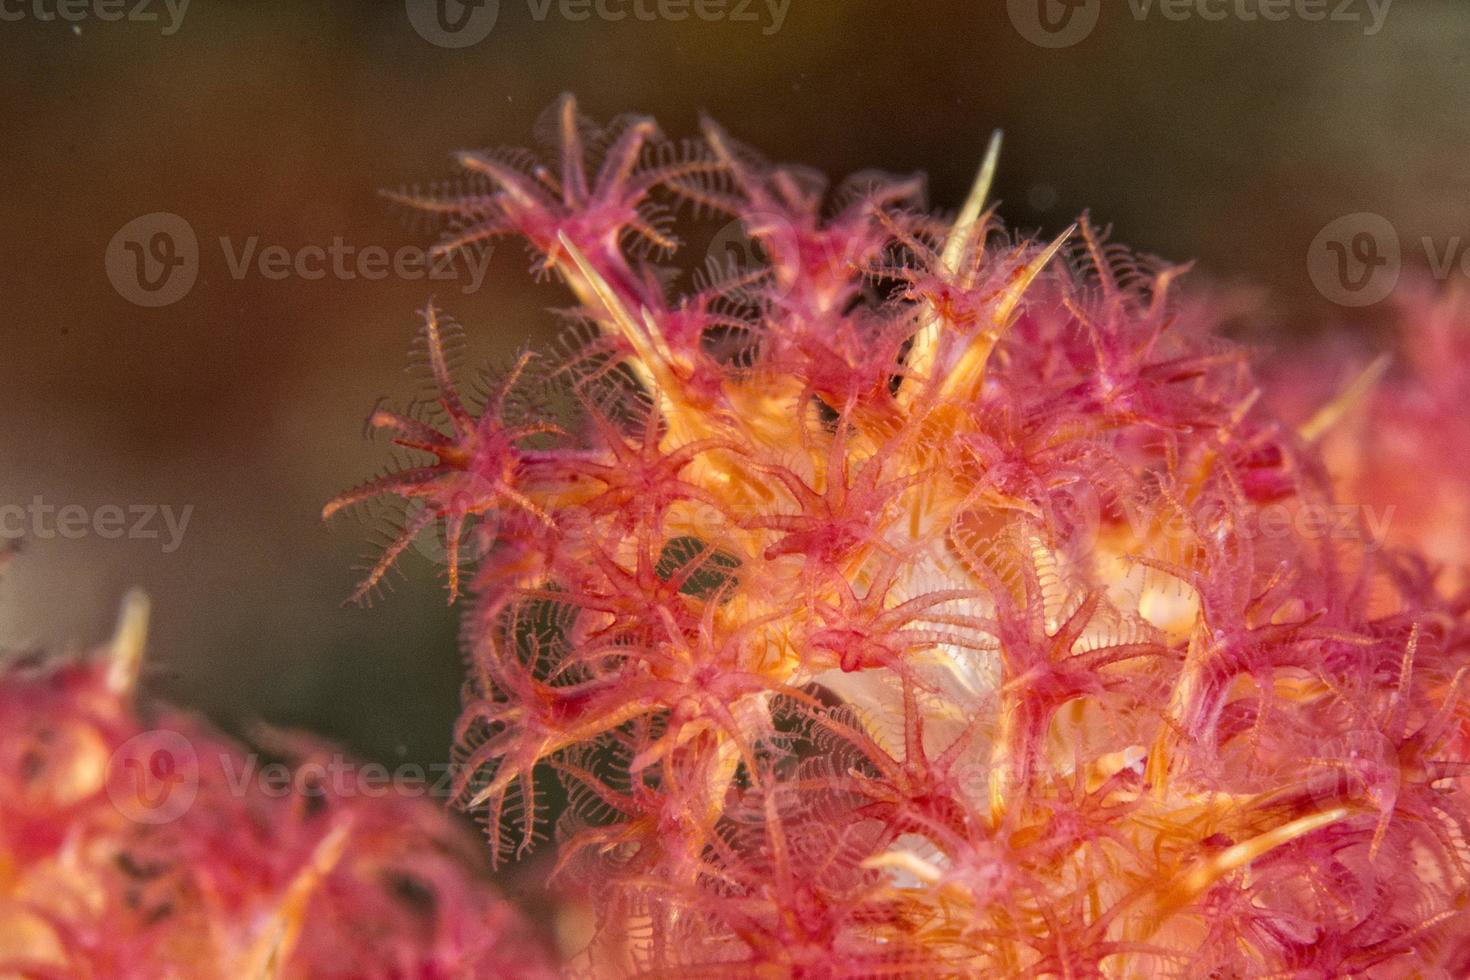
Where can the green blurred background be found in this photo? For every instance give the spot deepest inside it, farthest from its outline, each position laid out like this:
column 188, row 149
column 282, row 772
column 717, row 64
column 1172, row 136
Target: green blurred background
column 1229, row 141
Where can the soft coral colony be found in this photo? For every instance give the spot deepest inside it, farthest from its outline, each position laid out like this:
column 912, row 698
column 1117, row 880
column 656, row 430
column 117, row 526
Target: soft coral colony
column 905, row 603
column 195, row 870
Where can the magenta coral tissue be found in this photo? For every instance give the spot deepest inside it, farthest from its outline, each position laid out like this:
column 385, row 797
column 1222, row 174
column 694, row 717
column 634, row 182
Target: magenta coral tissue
column 915, row 599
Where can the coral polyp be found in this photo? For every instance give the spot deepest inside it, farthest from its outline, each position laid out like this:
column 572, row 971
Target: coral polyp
column 916, row 599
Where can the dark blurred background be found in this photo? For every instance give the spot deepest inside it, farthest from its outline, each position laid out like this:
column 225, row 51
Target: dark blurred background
column 1230, row 141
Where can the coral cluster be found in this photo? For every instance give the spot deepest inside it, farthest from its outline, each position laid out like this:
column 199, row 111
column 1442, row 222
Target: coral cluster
column 916, row 600
column 143, row 845
column 1395, row 440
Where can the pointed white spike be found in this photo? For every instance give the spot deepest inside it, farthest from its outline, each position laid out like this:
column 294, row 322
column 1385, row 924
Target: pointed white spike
column 652, row 358
column 1333, row 412
column 267, row 957
column 1023, row 282
column 129, row 641
column 925, row 346
column 589, row 284
column 964, row 226
column 963, row 380
column 656, row 337
column 1206, row 872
